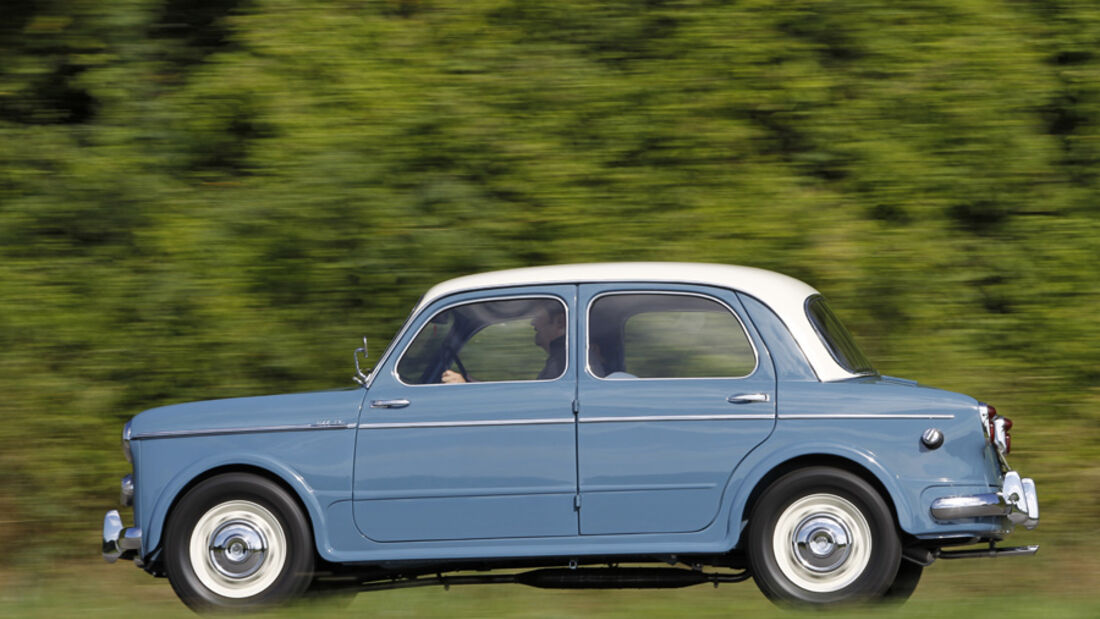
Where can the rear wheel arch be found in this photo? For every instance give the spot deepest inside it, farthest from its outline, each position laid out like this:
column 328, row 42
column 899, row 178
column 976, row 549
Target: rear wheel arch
column 823, row 535
column 814, row 460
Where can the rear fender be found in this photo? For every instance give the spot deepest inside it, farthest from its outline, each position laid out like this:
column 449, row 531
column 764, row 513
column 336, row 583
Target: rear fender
column 761, row 471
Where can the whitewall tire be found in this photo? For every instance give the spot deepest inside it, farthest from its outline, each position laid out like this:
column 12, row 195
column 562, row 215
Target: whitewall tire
column 822, row 535
column 237, row 541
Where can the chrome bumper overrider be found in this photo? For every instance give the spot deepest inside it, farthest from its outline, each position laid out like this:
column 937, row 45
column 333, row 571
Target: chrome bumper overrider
column 119, row 542
column 1017, row 500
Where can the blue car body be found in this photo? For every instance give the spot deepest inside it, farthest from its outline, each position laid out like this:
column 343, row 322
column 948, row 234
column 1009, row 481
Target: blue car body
column 579, row 465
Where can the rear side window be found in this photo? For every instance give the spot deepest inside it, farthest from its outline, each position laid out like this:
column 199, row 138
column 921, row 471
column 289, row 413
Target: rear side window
column 666, row 336
column 837, row 339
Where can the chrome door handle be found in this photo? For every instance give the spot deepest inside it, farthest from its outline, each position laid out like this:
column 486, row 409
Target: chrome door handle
column 389, row 403
column 745, row 398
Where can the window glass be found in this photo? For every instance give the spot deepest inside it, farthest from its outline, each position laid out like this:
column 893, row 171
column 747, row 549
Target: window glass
column 503, row 340
column 666, row 336
column 837, row 338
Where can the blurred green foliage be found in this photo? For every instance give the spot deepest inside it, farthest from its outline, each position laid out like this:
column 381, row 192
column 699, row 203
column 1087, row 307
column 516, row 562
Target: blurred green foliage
column 212, row 198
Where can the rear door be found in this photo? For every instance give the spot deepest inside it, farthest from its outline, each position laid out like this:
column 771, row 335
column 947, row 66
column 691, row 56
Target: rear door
column 675, row 388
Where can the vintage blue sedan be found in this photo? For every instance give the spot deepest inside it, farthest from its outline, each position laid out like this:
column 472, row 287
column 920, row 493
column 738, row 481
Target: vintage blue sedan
column 716, row 422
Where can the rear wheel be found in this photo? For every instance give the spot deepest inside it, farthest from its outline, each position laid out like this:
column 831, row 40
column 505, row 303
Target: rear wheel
column 236, row 541
column 822, row 536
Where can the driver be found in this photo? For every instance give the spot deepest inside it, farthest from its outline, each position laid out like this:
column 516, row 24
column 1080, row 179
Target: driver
column 549, row 325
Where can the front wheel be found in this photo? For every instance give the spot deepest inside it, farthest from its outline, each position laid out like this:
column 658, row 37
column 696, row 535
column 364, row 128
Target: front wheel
column 237, row 541
column 822, row 536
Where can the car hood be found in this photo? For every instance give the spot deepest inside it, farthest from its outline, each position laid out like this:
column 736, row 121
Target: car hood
column 272, row 412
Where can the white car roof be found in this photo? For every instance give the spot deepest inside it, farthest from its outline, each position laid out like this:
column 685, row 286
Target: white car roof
column 786, row 296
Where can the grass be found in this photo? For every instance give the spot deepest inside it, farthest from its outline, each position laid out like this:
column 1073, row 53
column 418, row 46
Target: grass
column 1062, row 581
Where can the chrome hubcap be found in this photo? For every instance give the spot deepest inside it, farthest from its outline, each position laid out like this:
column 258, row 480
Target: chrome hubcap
column 237, row 549
column 821, row 543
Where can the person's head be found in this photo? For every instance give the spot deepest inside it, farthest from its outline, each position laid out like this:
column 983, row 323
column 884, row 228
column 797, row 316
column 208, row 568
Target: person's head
column 549, row 323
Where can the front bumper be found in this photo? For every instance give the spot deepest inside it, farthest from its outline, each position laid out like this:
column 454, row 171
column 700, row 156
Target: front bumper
column 1017, row 500
column 119, row 542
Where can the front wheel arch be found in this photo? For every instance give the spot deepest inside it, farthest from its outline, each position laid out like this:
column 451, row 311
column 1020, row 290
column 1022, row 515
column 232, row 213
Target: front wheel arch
column 266, row 554
column 156, row 553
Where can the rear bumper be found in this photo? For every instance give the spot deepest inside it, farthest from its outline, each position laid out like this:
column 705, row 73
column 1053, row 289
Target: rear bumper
column 119, row 542
column 1017, row 500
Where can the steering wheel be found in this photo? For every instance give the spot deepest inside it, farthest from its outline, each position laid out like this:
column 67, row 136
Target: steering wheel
column 461, row 368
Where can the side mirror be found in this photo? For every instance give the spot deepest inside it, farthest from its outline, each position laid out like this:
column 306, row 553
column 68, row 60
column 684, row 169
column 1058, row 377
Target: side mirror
column 360, row 377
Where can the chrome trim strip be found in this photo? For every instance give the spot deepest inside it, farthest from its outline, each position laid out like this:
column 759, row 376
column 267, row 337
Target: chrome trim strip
column 643, row 488
column 555, row 420
column 258, row 429
column 466, row 424
column 863, row 416
column 510, row 422
column 650, row 291
column 457, row 493
column 678, row 418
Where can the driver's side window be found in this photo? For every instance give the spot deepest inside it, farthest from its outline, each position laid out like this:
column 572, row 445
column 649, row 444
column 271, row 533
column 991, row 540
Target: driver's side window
column 489, row 341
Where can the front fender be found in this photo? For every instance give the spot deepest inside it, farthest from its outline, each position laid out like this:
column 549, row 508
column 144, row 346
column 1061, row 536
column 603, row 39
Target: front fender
column 153, row 511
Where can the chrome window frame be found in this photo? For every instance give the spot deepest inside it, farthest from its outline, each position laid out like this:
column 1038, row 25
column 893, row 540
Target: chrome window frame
column 486, row 299
column 685, row 293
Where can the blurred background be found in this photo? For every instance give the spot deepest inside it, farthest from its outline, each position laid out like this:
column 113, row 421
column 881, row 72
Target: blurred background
column 214, row 198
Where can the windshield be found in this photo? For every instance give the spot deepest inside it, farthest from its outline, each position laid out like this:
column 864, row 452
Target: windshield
column 837, row 339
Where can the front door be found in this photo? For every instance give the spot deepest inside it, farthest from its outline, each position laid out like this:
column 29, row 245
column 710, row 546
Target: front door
column 468, row 429
column 675, row 389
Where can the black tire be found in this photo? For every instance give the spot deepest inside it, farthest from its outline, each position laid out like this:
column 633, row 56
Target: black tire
column 849, row 550
column 266, row 555
column 905, row 583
